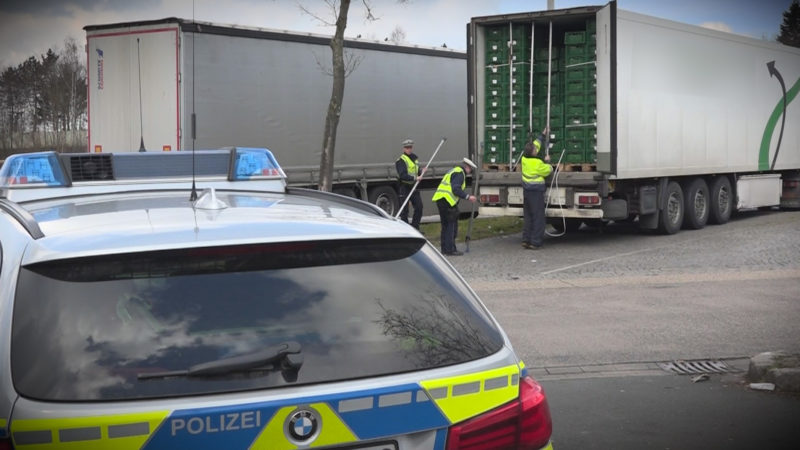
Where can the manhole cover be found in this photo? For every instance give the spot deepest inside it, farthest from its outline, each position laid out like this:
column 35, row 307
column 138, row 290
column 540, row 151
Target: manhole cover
column 695, row 367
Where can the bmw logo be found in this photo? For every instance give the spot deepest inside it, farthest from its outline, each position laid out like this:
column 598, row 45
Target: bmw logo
column 302, row 425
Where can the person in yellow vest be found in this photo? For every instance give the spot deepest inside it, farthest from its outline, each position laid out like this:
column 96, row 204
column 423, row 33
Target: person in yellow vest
column 534, row 171
column 447, row 195
column 408, row 172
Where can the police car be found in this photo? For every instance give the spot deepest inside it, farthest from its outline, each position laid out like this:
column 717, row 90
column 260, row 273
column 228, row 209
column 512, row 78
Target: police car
column 193, row 300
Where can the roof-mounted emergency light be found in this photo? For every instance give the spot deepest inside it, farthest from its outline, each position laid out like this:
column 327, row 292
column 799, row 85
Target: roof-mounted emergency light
column 86, row 173
column 33, row 169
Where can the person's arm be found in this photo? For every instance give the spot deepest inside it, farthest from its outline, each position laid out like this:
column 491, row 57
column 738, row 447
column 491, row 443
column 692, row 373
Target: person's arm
column 455, row 182
column 542, row 168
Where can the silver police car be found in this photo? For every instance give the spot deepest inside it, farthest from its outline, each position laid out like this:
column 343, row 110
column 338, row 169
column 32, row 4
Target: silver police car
column 193, row 300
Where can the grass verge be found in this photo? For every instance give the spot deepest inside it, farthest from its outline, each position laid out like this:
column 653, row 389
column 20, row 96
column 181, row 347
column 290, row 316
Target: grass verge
column 482, row 227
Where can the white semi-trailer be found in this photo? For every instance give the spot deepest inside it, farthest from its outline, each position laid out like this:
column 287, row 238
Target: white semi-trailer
column 266, row 88
column 673, row 124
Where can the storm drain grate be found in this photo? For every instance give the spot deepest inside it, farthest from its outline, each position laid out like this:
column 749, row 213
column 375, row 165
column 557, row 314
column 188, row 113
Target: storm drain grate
column 695, row 367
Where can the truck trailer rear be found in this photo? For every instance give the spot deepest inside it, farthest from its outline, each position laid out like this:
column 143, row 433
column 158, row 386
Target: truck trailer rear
column 652, row 120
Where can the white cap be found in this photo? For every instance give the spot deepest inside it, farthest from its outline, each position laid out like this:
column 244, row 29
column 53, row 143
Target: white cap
column 408, row 143
column 471, row 164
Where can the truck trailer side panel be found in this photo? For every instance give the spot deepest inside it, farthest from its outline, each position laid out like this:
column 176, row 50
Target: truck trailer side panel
column 275, row 93
column 697, row 101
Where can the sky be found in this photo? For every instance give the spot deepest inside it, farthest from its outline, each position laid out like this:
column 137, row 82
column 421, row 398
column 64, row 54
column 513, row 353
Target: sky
column 31, row 27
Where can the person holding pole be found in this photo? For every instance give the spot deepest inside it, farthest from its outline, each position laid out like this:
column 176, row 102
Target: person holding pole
column 447, row 195
column 534, row 171
column 408, row 174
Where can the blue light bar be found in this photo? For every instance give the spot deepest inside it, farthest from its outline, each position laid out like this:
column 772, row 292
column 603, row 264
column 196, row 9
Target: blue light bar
column 255, row 163
column 33, row 169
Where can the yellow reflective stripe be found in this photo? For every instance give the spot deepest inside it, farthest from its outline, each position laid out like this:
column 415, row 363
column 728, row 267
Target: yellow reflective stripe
column 549, row 446
column 333, row 430
column 465, row 396
column 521, row 365
column 124, row 431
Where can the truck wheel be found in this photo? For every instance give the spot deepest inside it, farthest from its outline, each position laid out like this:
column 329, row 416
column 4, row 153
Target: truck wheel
column 696, row 204
column 721, row 204
column 386, row 199
column 671, row 217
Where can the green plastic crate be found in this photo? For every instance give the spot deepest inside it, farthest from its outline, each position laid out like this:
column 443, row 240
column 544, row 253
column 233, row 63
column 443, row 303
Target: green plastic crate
column 576, row 97
column 580, row 119
column 573, row 157
column 575, row 86
column 572, row 109
column 579, row 73
column 576, row 134
column 543, row 52
column 505, row 115
column 575, row 50
column 574, row 37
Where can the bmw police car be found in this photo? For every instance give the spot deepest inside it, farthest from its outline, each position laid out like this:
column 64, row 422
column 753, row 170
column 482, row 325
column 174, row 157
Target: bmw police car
column 193, row 300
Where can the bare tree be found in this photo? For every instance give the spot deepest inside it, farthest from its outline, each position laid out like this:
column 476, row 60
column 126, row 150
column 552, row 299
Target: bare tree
column 398, row 35
column 341, row 67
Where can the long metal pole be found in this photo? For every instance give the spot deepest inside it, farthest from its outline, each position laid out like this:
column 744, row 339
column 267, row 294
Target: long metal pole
column 408, row 197
column 476, row 180
column 510, row 93
column 549, row 80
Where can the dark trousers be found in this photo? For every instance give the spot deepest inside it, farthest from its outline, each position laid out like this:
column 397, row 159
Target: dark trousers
column 415, row 202
column 533, row 208
column 448, row 216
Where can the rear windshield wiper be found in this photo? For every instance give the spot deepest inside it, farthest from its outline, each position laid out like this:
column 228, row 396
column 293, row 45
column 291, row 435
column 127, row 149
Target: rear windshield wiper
column 284, row 357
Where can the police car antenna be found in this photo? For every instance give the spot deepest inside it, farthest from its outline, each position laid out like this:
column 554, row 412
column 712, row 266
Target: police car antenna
column 193, row 195
column 141, row 121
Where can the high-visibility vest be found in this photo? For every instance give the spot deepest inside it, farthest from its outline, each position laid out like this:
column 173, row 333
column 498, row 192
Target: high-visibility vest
column 445, row 190
column 412, row 168
column 534, row 170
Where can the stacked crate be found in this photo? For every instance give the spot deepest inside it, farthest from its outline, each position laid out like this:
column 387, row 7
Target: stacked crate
column 580, row 101
column 507, row 78
column 554, row 65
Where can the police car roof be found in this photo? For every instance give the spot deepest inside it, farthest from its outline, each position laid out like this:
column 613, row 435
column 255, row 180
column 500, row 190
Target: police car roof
column 242, row 198
column 133, row 222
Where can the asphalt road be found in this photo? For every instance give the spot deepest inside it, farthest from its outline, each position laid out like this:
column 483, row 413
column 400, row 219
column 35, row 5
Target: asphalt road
column 594, row 313
column 625, row 296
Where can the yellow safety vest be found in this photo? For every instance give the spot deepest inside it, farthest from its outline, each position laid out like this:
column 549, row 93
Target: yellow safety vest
column 534, row 170
column 412, row 168
column 445, row 191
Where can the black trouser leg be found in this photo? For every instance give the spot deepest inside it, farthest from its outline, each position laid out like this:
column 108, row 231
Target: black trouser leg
column 447, row 236
column 416, row 202
column 537, row 236
column 402, row 193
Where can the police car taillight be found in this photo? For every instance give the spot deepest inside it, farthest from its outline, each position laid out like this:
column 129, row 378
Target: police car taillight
column 35, row 169
column 524, row 423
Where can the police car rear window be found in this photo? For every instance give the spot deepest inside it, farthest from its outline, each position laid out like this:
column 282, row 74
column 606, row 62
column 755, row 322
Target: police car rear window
column 225, row 319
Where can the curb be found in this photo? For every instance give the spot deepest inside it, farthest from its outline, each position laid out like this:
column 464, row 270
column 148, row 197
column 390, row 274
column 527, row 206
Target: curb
column 776, row 370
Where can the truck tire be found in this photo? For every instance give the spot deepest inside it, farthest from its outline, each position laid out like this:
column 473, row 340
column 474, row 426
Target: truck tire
column 670, row 218
column 721, row 204
column 696, row 204
column 385, row 198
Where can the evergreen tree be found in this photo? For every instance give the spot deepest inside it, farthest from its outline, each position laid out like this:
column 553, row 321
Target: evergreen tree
column 790, row 28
